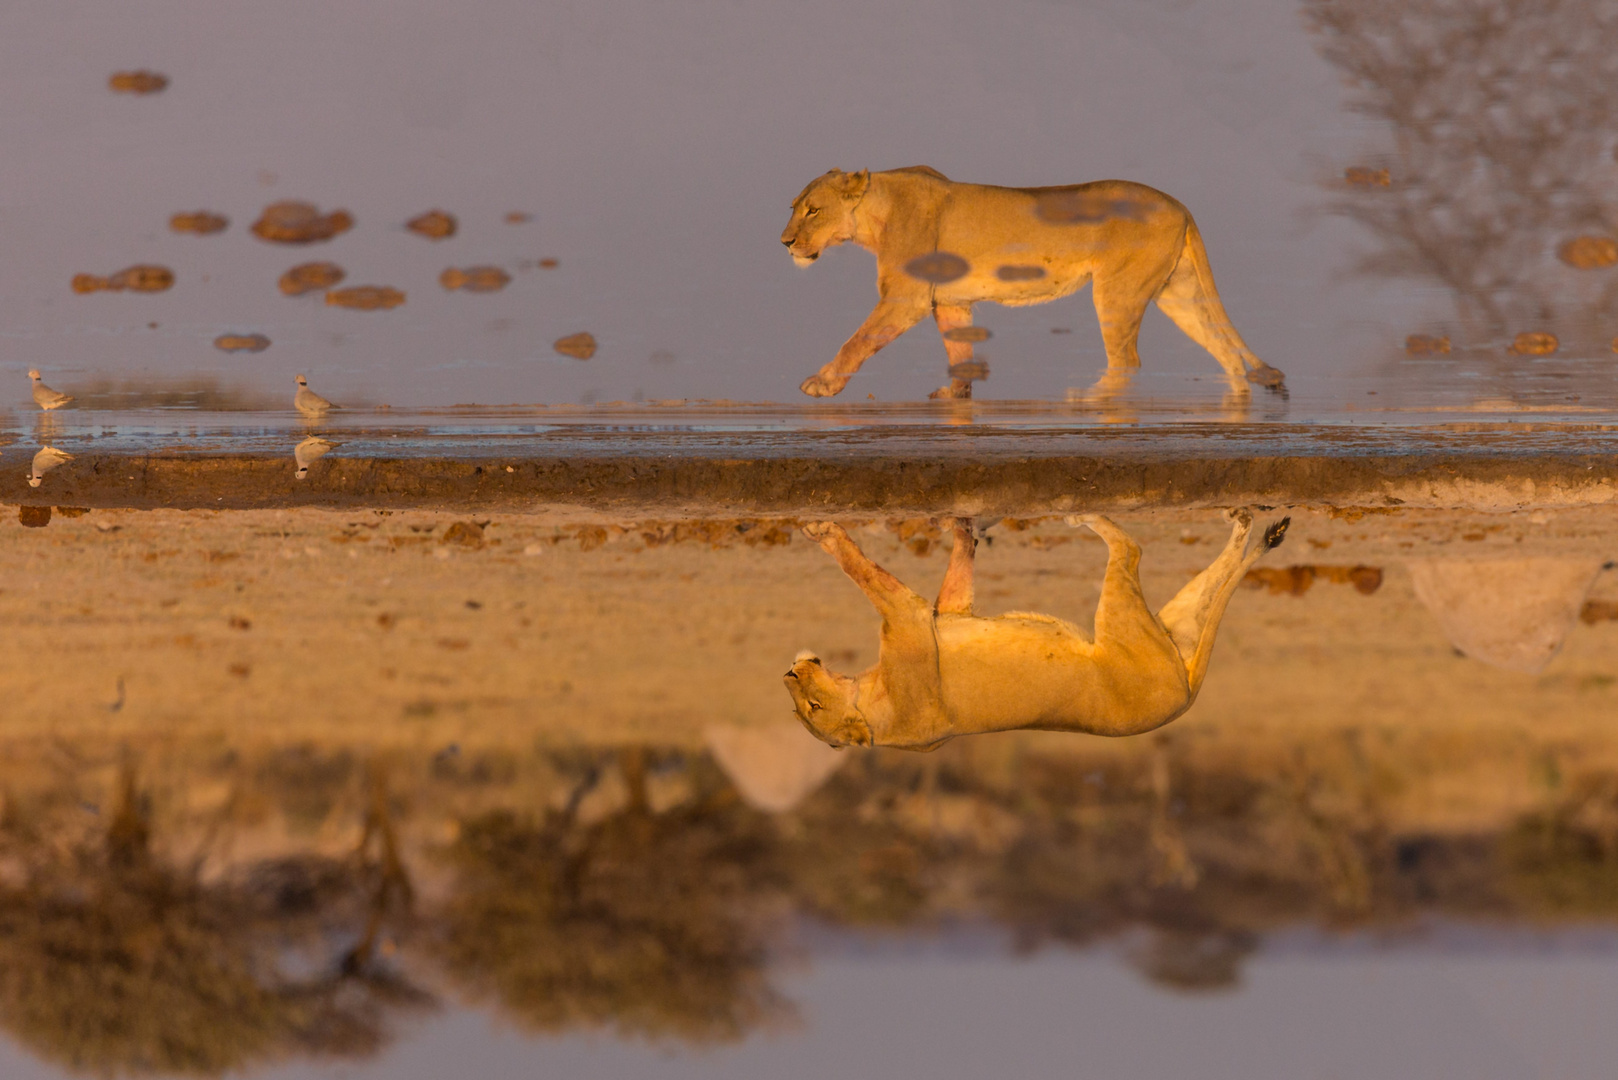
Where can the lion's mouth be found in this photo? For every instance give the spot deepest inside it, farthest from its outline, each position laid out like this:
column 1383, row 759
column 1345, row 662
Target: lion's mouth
column 804, row 260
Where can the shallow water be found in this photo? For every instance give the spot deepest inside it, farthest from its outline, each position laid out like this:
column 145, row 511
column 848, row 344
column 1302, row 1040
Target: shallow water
column 468, row 749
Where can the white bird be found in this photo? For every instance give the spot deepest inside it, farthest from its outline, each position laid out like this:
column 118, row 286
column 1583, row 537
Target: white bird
column 308, row 402
column 309, row 451
column 47, row 459
column 45, row 397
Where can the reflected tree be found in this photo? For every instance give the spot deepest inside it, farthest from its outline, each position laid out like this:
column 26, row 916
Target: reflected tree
column 1503, row 124
column 638, row 921
column 113, row 960
column 1562, row 860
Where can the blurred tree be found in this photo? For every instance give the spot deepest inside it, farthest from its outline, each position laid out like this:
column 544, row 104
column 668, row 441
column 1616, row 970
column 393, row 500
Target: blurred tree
column 1503, row 122
column 113, row 961
column 638, row 921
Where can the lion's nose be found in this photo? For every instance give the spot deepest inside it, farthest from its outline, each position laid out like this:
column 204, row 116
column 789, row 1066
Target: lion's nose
column 786, row 243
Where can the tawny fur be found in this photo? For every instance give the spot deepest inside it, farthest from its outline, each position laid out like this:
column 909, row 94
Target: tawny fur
column 1137, row 245
column 944, row 671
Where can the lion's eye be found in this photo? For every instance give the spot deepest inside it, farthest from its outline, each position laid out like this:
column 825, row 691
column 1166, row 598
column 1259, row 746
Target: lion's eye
column 812, row 211
column 814, row 706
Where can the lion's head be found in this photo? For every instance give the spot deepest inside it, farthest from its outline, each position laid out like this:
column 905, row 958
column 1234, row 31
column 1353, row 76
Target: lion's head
column 827, row 703
column 823, row 214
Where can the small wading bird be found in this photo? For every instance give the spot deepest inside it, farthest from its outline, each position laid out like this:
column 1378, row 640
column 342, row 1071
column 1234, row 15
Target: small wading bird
column 47, row 459
column 307, row 401
column 309, row 451
column 45, row 397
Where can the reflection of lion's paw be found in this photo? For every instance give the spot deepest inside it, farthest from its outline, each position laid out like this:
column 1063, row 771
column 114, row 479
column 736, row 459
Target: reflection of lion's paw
column 1239, row 515
column 818, row 385
column 1276, row 533
column 820, row 531
column 1101, row 526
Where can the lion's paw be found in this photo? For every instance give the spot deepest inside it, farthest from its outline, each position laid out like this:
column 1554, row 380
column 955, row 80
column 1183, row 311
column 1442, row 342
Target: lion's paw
column 1096, row 523
column 1265, row 375
column 818, row 385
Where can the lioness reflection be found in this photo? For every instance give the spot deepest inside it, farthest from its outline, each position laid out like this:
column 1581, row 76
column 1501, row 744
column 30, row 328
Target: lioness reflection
column 944, row 671
column 941, row 247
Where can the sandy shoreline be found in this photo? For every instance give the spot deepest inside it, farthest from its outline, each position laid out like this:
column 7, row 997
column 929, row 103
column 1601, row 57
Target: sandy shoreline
column 613, row 468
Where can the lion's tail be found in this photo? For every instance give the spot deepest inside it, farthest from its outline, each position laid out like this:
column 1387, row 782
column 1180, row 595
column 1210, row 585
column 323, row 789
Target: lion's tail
column 1191, row 299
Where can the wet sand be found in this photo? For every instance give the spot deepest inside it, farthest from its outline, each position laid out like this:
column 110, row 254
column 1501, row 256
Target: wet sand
column 615, row 465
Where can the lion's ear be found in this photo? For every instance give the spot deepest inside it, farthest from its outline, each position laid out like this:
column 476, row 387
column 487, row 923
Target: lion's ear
column 857, row 183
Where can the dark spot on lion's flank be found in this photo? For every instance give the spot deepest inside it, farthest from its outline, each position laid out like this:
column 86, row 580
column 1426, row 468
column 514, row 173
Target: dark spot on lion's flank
column 1085, row 207
column 1020, row 273
column 939, row 268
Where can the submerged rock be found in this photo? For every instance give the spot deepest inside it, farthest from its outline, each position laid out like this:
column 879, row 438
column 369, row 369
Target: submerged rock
column 311, row 277
column 200, row 222
column 254, row 343
column 434, row 224
column 300, row 223
column 137, row 82
column 1508, row 613
column 580, row 346
column 141, row 278
column 366, row 298
column 475, row 279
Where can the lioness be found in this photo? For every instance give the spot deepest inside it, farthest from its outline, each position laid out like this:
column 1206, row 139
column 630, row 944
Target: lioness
column 941, row 247
column 943, row 671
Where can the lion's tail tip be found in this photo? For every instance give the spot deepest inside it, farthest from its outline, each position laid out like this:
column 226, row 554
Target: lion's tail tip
column 1276, row 533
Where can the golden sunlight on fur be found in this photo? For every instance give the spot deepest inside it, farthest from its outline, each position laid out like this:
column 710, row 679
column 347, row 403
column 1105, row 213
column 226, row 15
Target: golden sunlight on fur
column 941, row 247
column 944, row 671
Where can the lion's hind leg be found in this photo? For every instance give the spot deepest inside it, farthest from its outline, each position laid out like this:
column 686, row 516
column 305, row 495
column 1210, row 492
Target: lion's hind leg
column 1142, row 664
column 1121, row 295
column 1190, row 299
column 1192, row 617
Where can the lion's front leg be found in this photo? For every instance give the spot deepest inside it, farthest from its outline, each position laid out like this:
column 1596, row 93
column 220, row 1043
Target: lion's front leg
column 954, row 317
column 955, row 597
column 891, row 317
column 887, row 593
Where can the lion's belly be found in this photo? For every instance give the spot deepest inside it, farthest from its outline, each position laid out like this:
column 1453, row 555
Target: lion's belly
column 1020, row 274
column 1015, row 671
column 1031, row 671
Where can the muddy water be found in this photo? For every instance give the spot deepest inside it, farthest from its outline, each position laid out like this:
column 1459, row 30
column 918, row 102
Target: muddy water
column 432, row 734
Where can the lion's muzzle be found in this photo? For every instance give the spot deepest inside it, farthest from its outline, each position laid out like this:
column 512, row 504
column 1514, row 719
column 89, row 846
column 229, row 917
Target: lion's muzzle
column 801, row 258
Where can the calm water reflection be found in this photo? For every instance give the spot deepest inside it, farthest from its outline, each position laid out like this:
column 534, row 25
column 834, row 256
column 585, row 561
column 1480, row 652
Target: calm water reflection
column 579, row 159
column 545, row 773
